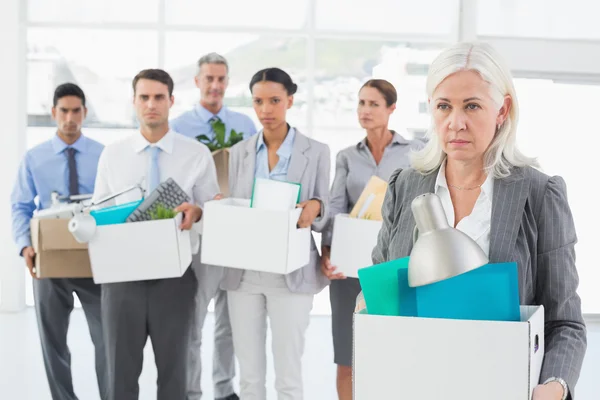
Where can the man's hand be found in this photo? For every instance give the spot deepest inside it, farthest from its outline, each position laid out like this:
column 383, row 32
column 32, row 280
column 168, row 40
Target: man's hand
column 549, row 391
column 219, row 196
column 191, row 215
column 326, row 267
column 29, row 255
column 310, row 211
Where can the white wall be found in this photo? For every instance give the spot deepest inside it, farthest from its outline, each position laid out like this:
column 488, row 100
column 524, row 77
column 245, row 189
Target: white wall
column 12, row 145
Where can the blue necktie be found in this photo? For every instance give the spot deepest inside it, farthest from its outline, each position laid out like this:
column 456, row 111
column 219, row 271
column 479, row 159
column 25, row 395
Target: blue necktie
column 153, row 172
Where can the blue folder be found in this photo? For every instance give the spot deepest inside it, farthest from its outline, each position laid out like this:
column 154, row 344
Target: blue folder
column 489, row 293
column 115, row 214
column 407, row 296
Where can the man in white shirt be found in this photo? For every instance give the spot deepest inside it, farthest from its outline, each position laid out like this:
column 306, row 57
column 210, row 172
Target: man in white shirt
column 162, row 309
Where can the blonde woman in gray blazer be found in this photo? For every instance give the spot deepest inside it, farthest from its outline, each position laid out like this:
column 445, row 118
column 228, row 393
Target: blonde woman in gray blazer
column 278, row 152
column 493, row 193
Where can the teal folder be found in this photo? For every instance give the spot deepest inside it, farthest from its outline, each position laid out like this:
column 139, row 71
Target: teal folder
column 489, row 293
column 115, row 214
column 380, row 286
column 407, row 296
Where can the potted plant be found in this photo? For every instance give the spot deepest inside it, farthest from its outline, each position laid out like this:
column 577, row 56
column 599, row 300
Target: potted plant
column 220, row 151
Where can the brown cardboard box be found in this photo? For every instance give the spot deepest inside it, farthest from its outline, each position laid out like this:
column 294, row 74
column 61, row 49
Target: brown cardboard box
column 58, row 255
column 221, row 158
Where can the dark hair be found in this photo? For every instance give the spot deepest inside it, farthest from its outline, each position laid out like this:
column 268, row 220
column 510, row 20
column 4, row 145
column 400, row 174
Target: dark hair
column 387, row 90
column 68, row 89
column 154, row 75
column 274, row 75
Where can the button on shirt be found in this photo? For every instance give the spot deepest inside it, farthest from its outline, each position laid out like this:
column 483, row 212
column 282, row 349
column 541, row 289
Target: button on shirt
column 477, row 225
column 125, row 163
column 355, row 165
column 196, row 122
column 44, row 170
column 279, row 173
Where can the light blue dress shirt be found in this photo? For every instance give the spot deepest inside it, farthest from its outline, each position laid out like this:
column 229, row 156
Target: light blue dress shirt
column 44, row 170
column 195, row 122
column 279, row 173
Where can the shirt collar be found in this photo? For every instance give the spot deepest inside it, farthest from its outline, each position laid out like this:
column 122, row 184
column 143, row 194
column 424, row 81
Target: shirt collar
column 59, row 146
column 396, row 139
column 285, row 150
column 487, row 187
column 165, row 144
column 206, row 115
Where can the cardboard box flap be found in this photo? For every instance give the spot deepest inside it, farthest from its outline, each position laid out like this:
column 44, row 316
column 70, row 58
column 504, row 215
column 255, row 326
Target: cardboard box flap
column 53, row 234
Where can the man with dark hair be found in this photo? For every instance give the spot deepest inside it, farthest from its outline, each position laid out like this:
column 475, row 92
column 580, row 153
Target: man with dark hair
column 65, row 164
column 161, row 309
column 212, row 78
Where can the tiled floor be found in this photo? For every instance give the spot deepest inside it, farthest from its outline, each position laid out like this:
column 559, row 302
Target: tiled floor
column 22, row 374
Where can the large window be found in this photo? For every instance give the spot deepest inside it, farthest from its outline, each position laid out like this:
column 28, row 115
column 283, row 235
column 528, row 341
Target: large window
column 330, row 48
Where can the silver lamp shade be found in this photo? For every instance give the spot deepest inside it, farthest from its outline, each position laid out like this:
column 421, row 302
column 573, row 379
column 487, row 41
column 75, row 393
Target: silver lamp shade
column 440, row 251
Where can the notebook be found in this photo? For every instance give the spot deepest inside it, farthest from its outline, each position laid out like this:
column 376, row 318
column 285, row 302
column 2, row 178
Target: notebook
column 268, row 194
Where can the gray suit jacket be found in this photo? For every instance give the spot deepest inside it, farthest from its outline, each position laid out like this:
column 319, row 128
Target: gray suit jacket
column 309, row 166
column 531, row 225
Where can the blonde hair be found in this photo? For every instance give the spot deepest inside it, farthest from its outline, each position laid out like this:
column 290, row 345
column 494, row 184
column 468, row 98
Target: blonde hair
column 502, row 153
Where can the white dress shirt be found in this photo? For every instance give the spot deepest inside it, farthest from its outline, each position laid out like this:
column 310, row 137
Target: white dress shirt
column 476, row 225
column 126, row 163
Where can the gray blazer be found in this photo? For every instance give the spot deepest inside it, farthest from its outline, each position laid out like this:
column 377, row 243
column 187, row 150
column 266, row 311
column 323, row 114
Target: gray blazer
column 309, row 166
column 531, row 225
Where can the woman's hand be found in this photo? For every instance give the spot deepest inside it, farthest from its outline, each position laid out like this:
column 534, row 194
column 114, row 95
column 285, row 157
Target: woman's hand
column 326, row 267
column 310, row 211
column 549, row 391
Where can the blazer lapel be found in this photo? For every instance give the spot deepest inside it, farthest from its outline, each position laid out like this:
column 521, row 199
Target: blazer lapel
column 508, row 205
column 299, row 161
column 249, row 164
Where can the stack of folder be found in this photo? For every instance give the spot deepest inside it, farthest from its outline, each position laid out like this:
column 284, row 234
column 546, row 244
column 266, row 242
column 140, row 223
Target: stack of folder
column 489, row 293
column 370, row 201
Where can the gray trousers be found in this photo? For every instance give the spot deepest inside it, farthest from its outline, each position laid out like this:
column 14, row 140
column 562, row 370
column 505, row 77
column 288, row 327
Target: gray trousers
column 133, row 311
column 53, row 307
column 209, row 280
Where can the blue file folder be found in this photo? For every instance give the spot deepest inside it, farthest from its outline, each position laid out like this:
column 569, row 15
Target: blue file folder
column 489, row 293
column 115, row 214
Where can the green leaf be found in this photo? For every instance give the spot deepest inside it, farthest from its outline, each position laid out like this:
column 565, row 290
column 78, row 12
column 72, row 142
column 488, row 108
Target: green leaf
column 203, row 138
column 219, row 128
column 218, row 142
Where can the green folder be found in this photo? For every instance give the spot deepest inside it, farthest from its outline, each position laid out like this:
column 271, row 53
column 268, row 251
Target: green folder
column 380, row 287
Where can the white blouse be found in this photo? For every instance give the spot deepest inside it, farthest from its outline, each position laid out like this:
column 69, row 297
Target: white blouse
column 477, row 224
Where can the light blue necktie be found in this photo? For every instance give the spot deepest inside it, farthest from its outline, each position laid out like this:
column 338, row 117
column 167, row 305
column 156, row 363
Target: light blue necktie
column 153, row 172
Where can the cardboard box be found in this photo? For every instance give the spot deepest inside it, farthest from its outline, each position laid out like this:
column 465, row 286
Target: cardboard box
column 140, row 251
column 221, row 158
column 58, row 255
column 235, row 235
column 432, row 359
column 352, row 244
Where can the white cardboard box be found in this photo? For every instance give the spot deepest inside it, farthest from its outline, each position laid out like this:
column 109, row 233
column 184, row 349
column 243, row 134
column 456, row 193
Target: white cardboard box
column 352, row 244
column 235, row 235
column 140, row 251
column 432, row 359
